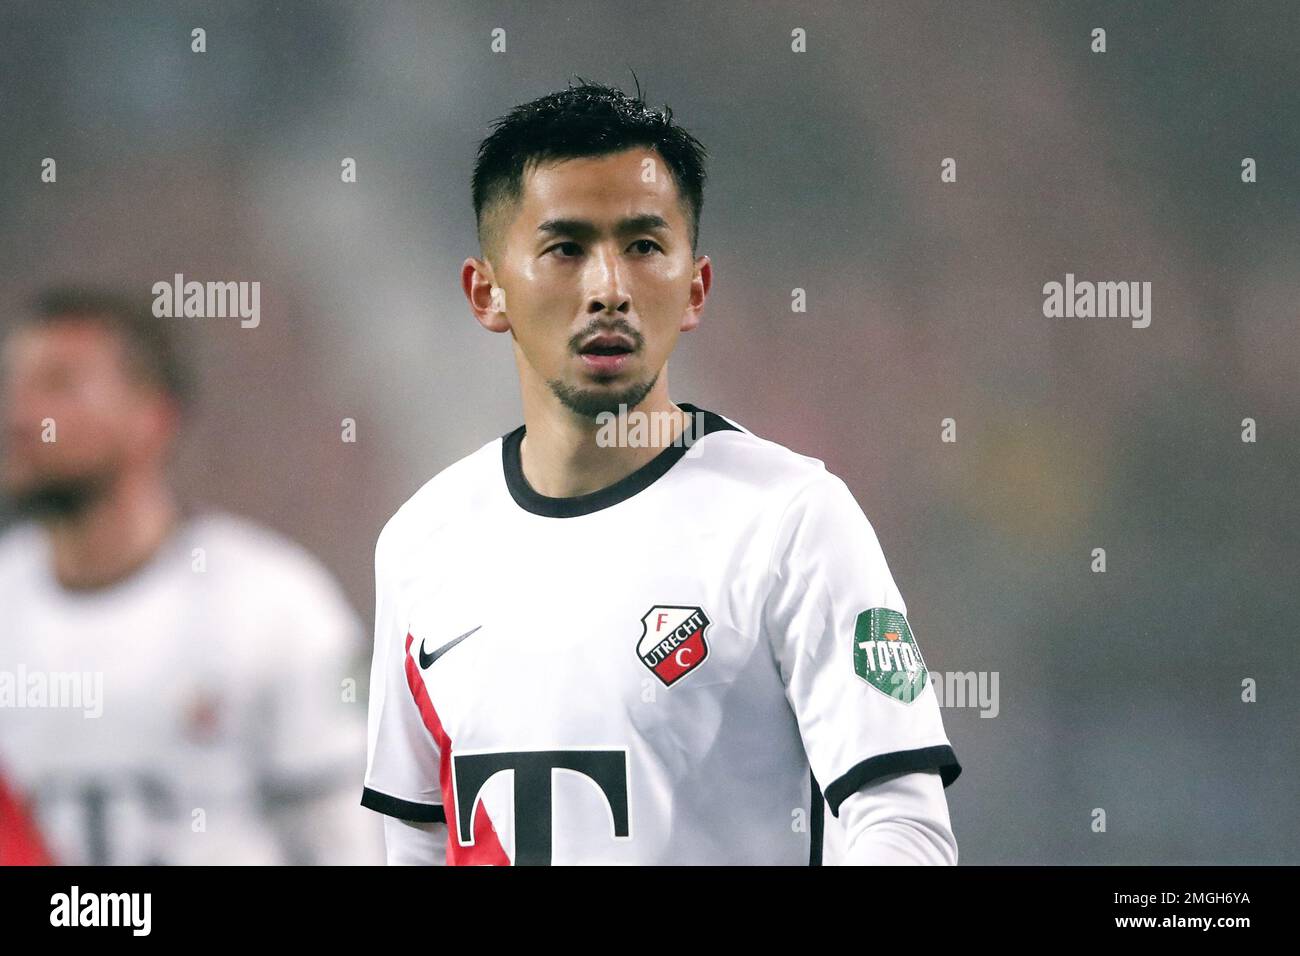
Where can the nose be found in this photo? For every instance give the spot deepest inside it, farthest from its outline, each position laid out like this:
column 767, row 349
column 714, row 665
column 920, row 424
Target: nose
column 608, row 293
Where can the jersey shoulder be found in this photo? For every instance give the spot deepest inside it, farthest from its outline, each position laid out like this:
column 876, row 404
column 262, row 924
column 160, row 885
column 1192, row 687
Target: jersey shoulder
column 255, row 547
column 794, row 495
column 221, row 543
column 268, row 570
column 759, row 465
column 461, row 489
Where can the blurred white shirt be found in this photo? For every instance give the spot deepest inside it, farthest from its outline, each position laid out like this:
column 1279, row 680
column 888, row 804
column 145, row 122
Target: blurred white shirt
column 206, row 710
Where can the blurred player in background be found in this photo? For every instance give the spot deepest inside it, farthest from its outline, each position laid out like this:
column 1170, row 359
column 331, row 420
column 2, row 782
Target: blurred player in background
column 174, row 687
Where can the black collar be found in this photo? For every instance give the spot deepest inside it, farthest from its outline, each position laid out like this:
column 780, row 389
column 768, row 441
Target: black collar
column 621, row 490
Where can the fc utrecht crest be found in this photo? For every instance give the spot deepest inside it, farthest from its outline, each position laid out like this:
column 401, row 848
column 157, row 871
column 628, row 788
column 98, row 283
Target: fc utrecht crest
column 672, row 641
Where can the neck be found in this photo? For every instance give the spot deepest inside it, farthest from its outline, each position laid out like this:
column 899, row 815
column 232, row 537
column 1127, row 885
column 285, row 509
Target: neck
column 113, row 536
column 561, row 457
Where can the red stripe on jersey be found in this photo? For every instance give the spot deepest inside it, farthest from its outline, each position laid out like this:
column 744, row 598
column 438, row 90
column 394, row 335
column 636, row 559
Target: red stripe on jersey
column 487, row 849
column 20, row 841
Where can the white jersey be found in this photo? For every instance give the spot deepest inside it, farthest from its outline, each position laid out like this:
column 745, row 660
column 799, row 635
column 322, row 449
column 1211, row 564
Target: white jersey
column 199, row 711
column 672, row 670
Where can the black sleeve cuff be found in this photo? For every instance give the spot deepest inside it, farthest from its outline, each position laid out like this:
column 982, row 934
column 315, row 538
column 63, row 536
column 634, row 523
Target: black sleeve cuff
column 402, row 809
column 941, row 758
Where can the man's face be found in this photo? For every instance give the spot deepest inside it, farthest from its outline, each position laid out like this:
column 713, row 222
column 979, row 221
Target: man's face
column 598, row 278
column 68, row 381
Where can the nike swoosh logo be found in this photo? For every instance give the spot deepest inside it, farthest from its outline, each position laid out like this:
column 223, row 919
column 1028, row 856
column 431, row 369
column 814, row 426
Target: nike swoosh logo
column 426, row 659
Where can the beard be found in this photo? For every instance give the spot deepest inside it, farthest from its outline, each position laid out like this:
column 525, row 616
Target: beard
column 59, row 497
column 591, row 403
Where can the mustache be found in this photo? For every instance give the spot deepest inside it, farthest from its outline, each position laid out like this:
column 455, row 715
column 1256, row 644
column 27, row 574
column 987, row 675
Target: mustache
column 619, row 326
column 59, row 497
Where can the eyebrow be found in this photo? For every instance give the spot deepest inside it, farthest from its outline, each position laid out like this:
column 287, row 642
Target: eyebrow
column 584, row 228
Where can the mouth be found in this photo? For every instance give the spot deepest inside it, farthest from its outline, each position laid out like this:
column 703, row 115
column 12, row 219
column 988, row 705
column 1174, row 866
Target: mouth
column 607, row 353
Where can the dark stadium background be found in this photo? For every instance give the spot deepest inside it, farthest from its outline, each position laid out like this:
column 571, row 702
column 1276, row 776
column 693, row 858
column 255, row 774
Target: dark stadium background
column 1118, row 690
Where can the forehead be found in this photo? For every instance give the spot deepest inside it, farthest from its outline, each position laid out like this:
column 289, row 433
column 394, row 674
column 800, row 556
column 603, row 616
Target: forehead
column 634, row 180
column 72, row 338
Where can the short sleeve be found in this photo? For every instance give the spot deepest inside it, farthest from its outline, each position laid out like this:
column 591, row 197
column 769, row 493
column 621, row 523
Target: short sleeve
column 402, row 755
column 853, row 672
column 314, row 729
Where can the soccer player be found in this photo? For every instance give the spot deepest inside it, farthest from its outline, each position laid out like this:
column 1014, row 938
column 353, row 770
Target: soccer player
column 171, row 682
column 630, row 631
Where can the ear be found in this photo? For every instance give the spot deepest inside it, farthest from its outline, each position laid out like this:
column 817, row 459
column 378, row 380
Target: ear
column 486, row 299
column 701, row 282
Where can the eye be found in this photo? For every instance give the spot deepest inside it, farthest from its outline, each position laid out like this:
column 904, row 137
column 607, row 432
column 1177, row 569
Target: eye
column 573, row 246
column 648, row 242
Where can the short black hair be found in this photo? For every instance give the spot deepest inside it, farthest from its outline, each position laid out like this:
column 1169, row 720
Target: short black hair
column 590, row 119
column 151, row 345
